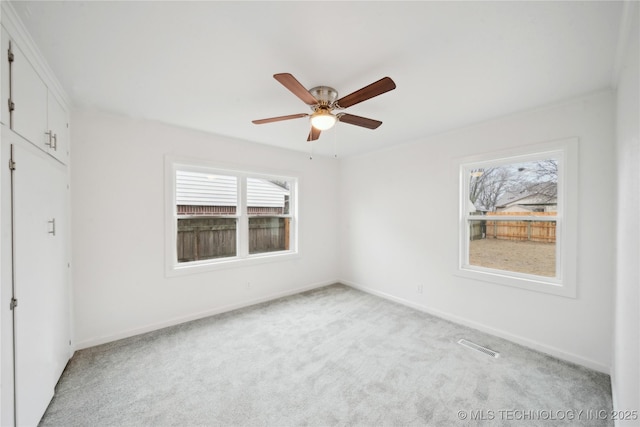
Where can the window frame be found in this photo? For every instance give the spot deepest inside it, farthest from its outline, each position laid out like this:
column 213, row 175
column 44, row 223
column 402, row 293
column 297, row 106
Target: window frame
column 564, row 283
column 242, row 257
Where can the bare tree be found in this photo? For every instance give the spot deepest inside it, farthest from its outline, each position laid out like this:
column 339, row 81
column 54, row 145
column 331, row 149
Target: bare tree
column 547, row 170
column 476, row 182
column 495, row 187
column 546, row 175
column 486, row 186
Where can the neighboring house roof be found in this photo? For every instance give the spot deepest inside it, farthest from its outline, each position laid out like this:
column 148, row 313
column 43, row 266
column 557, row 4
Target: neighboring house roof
column 471, row 207
column 479, row 207
column 200, row 189
column 541, row 194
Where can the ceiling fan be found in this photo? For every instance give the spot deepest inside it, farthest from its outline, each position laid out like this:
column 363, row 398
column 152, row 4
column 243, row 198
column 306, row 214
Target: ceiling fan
column 323, row 101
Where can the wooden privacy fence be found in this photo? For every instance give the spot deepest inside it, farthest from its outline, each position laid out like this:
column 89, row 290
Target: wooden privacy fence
column 268, row 234
column 207, row 238
column 521, row 230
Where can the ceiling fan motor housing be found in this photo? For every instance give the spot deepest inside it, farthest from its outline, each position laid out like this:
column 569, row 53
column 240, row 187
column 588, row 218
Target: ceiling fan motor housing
column 324, row 94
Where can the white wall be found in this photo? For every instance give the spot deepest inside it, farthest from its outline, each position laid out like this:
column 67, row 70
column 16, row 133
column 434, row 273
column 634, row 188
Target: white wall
column 118, row 222
column 117, row 182
column 398, row 226
column 626, row 357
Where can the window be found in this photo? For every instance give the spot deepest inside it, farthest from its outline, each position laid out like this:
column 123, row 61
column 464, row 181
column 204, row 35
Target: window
column 222, row 217
column 518, row 218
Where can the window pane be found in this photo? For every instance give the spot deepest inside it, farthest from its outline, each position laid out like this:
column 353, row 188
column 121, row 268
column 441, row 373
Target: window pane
column 268, row 234
column 518, row 187
column 528, row 188
column 520, row 246
column 200, row 193
column 268, row 197
column 206, row 238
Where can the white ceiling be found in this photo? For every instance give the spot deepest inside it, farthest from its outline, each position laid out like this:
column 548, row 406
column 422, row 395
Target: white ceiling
column 208, row 65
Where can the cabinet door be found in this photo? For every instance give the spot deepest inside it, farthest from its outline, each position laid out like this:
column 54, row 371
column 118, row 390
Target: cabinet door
column 40, row 280
column 4, row 111
column 29, row 94
column 58, row 121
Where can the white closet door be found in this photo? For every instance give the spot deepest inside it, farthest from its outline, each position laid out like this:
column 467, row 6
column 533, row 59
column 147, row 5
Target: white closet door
column 38, row 188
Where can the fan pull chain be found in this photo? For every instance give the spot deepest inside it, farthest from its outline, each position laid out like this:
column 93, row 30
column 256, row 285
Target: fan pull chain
column 335, row 142
column 311, row 150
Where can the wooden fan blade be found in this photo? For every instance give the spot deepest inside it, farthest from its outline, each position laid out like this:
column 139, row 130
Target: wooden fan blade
column 383, row 85
column 359, row 121
column 290, row 82
column 278, row 119
column 313, row 134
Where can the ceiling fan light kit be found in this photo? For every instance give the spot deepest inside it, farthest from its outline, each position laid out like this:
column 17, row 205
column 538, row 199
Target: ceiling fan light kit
column 324, row 99
column 323, row 119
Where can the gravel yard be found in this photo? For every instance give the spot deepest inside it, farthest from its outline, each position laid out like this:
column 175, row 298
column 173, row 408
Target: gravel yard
column 521, row 256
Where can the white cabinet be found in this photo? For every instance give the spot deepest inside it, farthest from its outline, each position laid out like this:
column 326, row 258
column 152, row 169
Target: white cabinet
column 57, row 129
column 29, row 98
column 35, row 113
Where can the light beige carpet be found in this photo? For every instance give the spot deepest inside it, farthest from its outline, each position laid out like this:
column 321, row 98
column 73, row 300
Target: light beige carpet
column 333, row 356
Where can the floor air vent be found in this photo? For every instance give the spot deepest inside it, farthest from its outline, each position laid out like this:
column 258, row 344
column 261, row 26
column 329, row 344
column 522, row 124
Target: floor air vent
column 479, row 348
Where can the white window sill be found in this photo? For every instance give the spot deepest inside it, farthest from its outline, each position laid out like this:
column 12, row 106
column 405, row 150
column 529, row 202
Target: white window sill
column 181, row 269
column 547, row 285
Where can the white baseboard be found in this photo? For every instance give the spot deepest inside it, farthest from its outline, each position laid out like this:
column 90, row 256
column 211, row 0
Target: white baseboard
column 614, row 394
column 543, row 348
column 195, row 316
column 550, row 350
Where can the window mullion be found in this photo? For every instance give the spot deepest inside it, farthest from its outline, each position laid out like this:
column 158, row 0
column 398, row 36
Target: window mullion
column 293, row 202
column 243, row 218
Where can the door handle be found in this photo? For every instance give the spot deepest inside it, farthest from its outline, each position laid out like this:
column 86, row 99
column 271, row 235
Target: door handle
column 53, row 140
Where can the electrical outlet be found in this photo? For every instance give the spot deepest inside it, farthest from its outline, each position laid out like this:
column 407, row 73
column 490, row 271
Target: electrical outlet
column 420, row 289
column 248, row 285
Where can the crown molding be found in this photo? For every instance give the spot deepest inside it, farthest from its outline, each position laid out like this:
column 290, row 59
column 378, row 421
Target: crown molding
column 18, row 32
column 630, row 11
